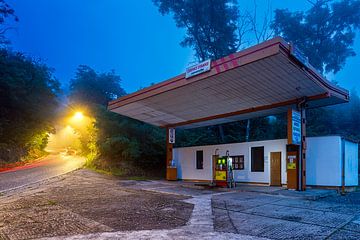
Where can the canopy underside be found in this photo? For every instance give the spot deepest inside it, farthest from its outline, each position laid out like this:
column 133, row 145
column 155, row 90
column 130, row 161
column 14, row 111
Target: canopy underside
column 259, row 81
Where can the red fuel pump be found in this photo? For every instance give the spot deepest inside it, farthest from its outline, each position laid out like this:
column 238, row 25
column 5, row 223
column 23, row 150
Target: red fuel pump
column 220, row 171
column 223, row 176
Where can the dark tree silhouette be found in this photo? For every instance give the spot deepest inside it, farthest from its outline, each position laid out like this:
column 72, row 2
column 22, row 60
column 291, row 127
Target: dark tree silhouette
column 325, row 33
column 88, row 86
column 6, row 13
column 28, row 96
column 210, row 25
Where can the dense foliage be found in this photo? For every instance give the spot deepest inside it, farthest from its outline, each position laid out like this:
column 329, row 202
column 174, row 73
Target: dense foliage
column 28, row 103
column 325, row 33
column 89, row 86
column 341, row 119
column 112, row 141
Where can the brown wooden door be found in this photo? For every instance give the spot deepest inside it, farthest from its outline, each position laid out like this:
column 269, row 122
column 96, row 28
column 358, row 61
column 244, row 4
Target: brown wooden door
column 292, row 166
column 275, row 169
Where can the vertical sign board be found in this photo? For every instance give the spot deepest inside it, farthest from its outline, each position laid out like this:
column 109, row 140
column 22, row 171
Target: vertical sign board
column 295, row 127
column 172, row 135
column 171, row 170
column 292, row 149
column 198, row 69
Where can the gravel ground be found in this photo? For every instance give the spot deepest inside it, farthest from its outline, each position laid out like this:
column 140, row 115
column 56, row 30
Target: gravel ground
column 86, row 205
column 85, row 202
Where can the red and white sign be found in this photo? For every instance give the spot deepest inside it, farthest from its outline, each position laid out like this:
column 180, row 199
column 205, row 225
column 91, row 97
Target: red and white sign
column 198, row 69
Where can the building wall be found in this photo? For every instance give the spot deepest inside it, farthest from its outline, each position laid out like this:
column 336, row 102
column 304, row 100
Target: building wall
column 351, row 164
column 185, row 159
column 323, row 163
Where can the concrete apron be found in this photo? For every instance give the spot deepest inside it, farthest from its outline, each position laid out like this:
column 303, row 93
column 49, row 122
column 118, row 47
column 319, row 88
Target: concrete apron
column 199, row 226
column 202, row 219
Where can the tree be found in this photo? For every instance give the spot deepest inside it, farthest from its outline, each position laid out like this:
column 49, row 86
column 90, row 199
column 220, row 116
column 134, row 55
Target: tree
column 28, row 96
column 118, row 143
column 89, row 86
column 325, row 33
column 210, row 25
column 6, row 13
column 111, row 141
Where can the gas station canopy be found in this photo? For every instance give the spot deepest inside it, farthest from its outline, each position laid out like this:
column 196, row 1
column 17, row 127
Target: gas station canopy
column 262, row 80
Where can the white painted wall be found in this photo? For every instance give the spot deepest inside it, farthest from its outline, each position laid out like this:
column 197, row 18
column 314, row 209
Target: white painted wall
column 351, row 164
column 185, row 159
column 323, row 163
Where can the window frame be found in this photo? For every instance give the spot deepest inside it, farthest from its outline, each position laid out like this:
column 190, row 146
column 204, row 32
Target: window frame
column 252, row 159
column 199, row 163
column 239, row 163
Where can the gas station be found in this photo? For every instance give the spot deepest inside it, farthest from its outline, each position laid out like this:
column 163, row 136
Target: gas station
column 270, row 78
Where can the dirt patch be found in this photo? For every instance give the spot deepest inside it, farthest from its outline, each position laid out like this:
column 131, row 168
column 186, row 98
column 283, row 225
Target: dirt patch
column 86, row 202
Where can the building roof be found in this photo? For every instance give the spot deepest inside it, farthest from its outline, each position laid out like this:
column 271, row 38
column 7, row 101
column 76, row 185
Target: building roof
column 262, row 80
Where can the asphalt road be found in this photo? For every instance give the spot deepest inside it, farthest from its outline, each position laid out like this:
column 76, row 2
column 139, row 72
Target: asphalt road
column 51, row 166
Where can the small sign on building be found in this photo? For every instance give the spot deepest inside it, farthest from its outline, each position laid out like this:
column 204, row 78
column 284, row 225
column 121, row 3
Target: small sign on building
column 291, row 164
column 198, row 69
column 172, row 135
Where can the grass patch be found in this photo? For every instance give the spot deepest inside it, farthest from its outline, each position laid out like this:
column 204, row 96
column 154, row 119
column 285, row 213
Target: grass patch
column 113, row 171
column 140, row 178
column 52, row 203
column 120, row 173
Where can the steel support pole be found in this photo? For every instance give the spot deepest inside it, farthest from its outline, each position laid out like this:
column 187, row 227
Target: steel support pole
column 302, row 152
column 169, row 151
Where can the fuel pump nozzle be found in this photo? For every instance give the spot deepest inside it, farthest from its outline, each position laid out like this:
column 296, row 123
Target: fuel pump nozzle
column 230, row 179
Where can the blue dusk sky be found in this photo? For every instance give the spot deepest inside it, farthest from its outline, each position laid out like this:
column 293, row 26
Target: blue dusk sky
column 131, row 37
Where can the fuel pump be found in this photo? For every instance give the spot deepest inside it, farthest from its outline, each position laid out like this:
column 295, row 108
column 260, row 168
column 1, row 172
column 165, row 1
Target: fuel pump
column 223, row 167
column 230, row 172
column 221, row 171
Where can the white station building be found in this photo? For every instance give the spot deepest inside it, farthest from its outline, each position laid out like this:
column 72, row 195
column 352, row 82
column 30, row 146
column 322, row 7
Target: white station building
column 328, row 158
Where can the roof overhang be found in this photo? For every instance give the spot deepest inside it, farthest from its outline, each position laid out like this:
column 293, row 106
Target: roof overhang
column 262, row 80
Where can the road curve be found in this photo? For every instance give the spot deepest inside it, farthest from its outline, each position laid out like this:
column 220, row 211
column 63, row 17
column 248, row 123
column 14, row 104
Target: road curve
column 51, row 166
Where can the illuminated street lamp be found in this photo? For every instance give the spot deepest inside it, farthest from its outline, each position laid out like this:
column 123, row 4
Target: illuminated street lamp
column 78, row 116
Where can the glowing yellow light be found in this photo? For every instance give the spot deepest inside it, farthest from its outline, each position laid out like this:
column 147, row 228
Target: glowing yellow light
column 78, row 116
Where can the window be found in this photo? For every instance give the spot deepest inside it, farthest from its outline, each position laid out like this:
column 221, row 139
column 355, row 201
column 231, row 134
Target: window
column 257, row 159
column 238, row 162
column 199, row 159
